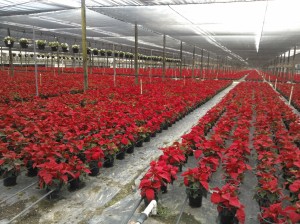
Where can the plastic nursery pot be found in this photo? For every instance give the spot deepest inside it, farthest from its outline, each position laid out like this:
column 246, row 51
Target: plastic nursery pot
column 139, row 143
column 9, row 43
column 108, row 162
column 55, row 191
column 93, row 165
column 195, row 202
column 31, row 172
column 10, row 180
column 164, row 189
column 75, row 184
column 75, row 50
column 23, row 45
column 147, row 139
column 120, row 155
column 41, row 47
column 54, row 48
column 153, row 135
column 227, row 216
column 130, row 149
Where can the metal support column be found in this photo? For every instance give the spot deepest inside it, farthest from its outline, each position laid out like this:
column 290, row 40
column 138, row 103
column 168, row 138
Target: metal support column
column 136, row 80
column 180, row 66
column 164, row 57
column 84, row 47
column 193, row 63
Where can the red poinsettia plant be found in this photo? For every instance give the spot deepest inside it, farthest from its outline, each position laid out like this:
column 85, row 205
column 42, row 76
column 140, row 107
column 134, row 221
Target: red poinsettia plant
column 154, row 179
column 227, row 198
column 10, row 163
column 275, row 213
column 173, row 155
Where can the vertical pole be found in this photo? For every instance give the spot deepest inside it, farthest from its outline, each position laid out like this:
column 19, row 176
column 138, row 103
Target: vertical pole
column 164, row 57
column 293, row 64
column 114, row 64
column 57, row 55
column 84, row 48
column 1, row 59
column 136, row 72
column 11, row 66
column 202, row 63
column 35, row 65
column 208, row 72
column 291, row 95
column 150, row 72
column 180, row 68
column 288, row 66
column 193, row 63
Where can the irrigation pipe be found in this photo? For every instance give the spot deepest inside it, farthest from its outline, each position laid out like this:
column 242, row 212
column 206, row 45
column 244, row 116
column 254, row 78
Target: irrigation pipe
column 29, row 207
column 18, row 192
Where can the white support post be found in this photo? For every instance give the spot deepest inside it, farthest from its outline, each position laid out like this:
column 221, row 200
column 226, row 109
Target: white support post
column 291, row 95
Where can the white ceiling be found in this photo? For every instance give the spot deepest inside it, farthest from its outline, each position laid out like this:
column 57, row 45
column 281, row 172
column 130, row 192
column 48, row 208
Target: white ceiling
column 248, row 31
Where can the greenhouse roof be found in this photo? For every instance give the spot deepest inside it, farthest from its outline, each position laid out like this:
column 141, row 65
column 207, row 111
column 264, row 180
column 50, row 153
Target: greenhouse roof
column 253, row 32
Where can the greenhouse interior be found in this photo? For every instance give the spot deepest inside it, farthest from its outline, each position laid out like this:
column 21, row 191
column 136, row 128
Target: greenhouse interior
column 150, row 111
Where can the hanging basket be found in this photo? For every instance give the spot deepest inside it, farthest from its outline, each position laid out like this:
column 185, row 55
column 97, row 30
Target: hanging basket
column 65, row 49
column 75, row 50
column 54, row 48
column 23, row 45
column 41, row 47
column 95, row 52
column 9, row 43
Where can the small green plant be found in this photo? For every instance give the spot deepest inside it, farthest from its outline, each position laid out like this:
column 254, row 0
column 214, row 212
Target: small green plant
column 9, row 39
column 64, row 45
column 75, row 46
column 41, row 42
column 53, row 44
column 24, row 41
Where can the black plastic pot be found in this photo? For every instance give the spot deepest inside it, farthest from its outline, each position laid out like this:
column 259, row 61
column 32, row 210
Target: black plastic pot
column 31, row 172
column 195, row 202
column 64, row 49
column 120, row 155
column 153, row 135
column 11, row 44
column 54, row 48
column 10, row 180
column 139, row 143
column 93, row 165
column 108, row 162
column 75, row 184
column 75, row 50
column 164, row 189
column 23, row 45
column 55, row 193
column 130, row 149
column 147, row 139
column 227, row 216
column 41, row 47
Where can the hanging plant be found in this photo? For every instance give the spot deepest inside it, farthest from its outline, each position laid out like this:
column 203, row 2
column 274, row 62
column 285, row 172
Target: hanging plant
column 9, row 41
column 108, row 52
column 54, row 45
column 43, row 56
column 128, row 55
column 64, row 47
column 14, row 54
column 116, row 53
column 41, row 44
column 24, row 42
column 121, row 54
column 95, row 51
column 48, row 56
column 20, row 55
column 102, row 52
column 75, row 48
column 88, row 50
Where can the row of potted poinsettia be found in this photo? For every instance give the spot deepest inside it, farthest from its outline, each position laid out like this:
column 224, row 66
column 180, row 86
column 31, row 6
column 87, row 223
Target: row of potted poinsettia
column 61, row 135
column 21, row 87
column 275, row 146
column 234, row 160
column 209, row 150
column 254, row 76
column 285, row 90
